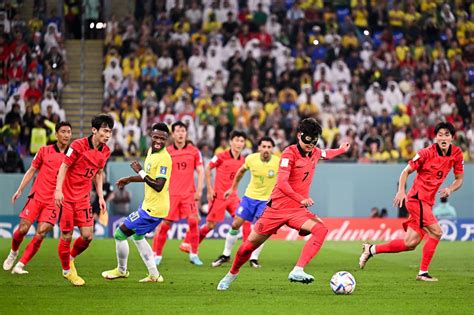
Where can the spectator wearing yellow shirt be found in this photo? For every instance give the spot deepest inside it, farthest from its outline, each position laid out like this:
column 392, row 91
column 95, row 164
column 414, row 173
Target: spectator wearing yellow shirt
column 400, row 119
column 129, row 112
column 396, row 16
column 131, row 66
column 389, row 153
column 419, row 49
column 211, row 25
column 374, row 155
column 427, row 5
column 402, row 50
column 111, row 54
column 408, row 153
column 454, row 50
column 350, row 40
column 360, row 16
column 330, row 131
column 411, row 16
column 35, row 24
column 406, row 145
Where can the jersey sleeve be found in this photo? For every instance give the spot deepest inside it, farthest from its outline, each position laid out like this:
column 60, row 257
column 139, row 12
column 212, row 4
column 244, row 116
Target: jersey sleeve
column 418, row 160
column 38, row 159
column 106, row 155
column 72, row 153
column 287, row 162
column 247, row 162
column 197, row 158
column 162, row 169
column 458, row 164
column 215, row 161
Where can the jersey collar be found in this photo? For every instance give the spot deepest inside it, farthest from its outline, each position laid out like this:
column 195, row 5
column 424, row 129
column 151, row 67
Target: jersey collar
column 440, row 152
column 232, row 156
column 176, row 148
column 91, row 145
column 302, row 152
column 56, row 148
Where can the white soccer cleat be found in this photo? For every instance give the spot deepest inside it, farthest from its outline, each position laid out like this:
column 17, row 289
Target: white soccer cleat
column 115, row 274
column 300, row 276
column 10, row 260
column 224, row 284
column 18, row 269
column 365, row 256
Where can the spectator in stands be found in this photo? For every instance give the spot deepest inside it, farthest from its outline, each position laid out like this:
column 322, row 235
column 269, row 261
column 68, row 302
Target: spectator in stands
column 121, row 201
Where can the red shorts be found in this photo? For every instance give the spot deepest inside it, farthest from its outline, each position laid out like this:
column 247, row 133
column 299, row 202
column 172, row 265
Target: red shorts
column 75, row 214
column 182, row 207
column 35, row 210
column 272, row 219
column 419, row 209
column 218, row 207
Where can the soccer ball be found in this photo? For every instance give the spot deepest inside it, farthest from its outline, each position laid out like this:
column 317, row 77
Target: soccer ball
column 343, row 283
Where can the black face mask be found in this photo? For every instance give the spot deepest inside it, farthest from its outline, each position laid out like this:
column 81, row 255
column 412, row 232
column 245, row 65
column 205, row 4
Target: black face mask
column 309, row 139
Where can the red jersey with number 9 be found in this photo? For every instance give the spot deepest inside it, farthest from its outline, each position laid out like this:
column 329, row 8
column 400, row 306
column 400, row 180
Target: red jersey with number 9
column 185, row 161
column 226, row 168
column 84, row 161
column 431, row 168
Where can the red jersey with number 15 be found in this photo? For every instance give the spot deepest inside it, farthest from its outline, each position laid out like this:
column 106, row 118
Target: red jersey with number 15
column 84, row 161
column 47, row 161
column 431, row 168
column 185, row 161
column 226, row 168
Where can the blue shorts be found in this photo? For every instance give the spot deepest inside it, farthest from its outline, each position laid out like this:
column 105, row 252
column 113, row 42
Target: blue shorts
column 250, row 209
column 141, row 222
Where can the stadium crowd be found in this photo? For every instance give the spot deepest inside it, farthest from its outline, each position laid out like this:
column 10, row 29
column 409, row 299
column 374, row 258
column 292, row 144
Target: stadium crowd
column 32, row 74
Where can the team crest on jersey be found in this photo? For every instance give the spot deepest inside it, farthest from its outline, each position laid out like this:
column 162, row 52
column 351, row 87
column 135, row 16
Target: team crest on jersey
column 148, row 168
column 163, row 170
column 271, row 173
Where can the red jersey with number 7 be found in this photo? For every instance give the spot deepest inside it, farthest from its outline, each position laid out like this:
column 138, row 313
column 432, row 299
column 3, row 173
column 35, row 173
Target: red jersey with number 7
column 84, row 161
column 431, row 168
column 185, row 161
column 226, row 167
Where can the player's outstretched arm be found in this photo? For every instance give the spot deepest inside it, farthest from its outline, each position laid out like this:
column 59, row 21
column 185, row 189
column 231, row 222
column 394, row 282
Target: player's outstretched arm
column 401, row 195
column 458, row 181
column 236, row 181
column 58, row 193
column 24, row 182
column 157, row 184
column 200, row 185
column 332, row 153
column 210, row 191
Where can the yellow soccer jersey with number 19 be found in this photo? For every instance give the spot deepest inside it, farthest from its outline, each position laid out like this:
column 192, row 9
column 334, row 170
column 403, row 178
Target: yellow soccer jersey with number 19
column 263, row 176
column 157, row 165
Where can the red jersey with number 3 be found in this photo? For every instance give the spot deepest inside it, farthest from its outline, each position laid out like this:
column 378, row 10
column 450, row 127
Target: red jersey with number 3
column 84, row 161
column 47, row 161
column 431, row 168
column 226, row 168
column 185, row 161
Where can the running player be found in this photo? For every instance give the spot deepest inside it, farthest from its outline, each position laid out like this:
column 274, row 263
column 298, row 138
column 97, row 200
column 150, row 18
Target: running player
column 289, row 202
column 154, row 208
column 226, row 164
column 263, row 167
column 40, row 205
column 432, row 165
column 83, row 163
column 183, row 194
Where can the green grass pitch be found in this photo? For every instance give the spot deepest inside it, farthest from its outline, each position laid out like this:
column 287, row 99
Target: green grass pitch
column 386, row 286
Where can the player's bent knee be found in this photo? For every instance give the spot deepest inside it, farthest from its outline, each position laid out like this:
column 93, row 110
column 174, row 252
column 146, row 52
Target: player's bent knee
column 119, row 235
column 236, row 226
column 412, row 244
column 136, row 237
column 24, row 228
column 438, row 233
column 66, row 236
column 211, row 225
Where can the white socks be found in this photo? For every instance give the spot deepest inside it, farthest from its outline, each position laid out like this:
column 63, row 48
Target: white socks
column 256, row 252
column 147, row 256
column 122, row 250
column 230, row 240
column 296, row 268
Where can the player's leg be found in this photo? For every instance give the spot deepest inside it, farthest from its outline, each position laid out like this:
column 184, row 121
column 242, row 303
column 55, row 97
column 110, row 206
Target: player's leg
column 122, row 251
column 17, row 239
column 230, row 240
column 259, row 208
column 84, row 219
column 190, row 211
column 146, row 253
column 434, row 232
column 159, row 240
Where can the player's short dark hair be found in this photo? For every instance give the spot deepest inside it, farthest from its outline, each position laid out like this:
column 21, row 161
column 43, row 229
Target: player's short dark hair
column 310, row 127
column 102, row 121
column 266, row 138
column 62, row 124
column 237, row 133
column 160, row 127
column 179, row 123
column 445, row 125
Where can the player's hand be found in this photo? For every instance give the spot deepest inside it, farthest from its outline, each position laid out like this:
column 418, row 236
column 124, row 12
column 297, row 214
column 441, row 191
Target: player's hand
column 210, row 194
column 16, row 195
column 102, row 205
column 400, row 197
column 444, row 193
column 122, row 182
column 197, row 195
column 228, row 193
column 58, row 198
column 345, row 146
column 135, row 165
column 308, row 202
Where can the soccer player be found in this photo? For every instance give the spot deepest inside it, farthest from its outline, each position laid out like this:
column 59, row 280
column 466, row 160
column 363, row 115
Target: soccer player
column 83, row 163
column 289, row 202
column 40, row 205
column 226, row 164
column 263, row 167
column 155, row 207
column 183, row 194
column 432, row 165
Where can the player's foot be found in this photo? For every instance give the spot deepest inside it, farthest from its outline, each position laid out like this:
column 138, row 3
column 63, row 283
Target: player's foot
column 220, row 260
column 74, row 278
column 254, row 263
column 115, row 274
column 185, row 247
column 300, row 276
column 195, row 260
column 366, row 255
column 158, row 260
column 19, row 269
column 224, row 284
column 8, row 263
column 426, row 277
column 72, row 267
column 150, row 278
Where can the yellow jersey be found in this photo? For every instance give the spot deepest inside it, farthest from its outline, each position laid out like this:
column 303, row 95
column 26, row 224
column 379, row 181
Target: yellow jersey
column 157, row 165
column 263, row 176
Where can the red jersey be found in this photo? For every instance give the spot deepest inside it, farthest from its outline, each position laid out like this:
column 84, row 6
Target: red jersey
column 432, row 168
column 185, row 161
column 47, row 161
column 84, row 161
column 226, row 168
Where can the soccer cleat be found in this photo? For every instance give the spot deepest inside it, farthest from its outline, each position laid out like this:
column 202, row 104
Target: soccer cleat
column 72, row 267
column 195, row 260
column 426, row 277
column 300, row 276
column 185, row 247
column 158, row 260
column 18, row 269
column 220, row 260
column 254, row 263
column 74, row 279
column 150, row 278
column 366, row 255
column 224, row 284
column 115, row 274
column 10, row 260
